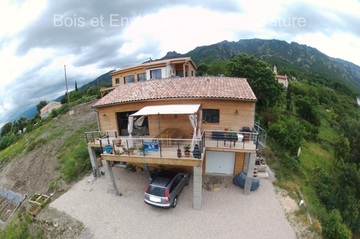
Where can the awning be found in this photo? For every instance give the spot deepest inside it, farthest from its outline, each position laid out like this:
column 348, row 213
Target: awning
column 168, row 109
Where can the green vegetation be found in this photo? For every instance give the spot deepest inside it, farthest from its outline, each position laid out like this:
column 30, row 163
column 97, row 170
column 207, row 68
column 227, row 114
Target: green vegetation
column 313, row 143
column 72, row 154
column 19, row 228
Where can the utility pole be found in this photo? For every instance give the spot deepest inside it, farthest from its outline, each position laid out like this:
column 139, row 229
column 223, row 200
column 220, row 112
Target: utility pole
column 67, row 90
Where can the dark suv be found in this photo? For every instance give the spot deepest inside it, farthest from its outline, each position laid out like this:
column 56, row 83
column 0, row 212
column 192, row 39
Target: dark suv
column 165, row 188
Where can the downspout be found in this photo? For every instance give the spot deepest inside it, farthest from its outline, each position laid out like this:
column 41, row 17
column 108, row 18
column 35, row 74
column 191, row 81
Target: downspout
column 159, row 122
column 97, row 119
column 160, row 135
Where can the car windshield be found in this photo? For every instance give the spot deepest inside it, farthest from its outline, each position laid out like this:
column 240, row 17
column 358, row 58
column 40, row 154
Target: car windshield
column 156, row 191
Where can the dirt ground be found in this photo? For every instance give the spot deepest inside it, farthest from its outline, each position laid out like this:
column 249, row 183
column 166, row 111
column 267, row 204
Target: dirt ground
column 32, row 172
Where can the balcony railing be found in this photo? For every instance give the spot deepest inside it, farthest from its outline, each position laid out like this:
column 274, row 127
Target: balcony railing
column 147, row 146
column 236, row 140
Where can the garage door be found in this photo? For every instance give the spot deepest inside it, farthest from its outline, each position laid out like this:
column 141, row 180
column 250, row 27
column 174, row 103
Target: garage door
column 220, row 162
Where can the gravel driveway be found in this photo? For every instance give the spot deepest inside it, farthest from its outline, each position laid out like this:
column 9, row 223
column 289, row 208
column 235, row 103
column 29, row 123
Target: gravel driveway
column 226, row 213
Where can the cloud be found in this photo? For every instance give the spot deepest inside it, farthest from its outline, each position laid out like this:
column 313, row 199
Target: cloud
column 71, row 25
column 92, row 37
column 311, row 17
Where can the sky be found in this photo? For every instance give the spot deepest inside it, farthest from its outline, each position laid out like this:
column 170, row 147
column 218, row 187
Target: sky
column 90, row 37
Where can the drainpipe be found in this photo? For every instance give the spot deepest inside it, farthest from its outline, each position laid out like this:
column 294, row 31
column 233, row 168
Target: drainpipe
column 97, row 120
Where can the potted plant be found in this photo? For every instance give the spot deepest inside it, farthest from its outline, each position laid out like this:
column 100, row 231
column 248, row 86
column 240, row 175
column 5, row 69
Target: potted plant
column 108, row 149
column 117, row 142
column 132, row 149
column 140, row 149
column 178, row 152
column 187, row 150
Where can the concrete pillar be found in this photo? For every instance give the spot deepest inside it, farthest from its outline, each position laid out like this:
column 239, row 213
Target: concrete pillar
column 145, row 167
column 249, row 172
column 110, row 177
column 246, row 162
column 94, row 164
column 197, row 186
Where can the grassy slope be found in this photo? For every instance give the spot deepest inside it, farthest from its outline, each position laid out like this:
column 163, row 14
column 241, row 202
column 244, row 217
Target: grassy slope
column 67, row 141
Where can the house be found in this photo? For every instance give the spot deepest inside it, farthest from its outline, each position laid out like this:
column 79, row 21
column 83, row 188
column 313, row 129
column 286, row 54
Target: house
column 282, row 79
column 45, row 111
column 152, row 69
column 214, row 115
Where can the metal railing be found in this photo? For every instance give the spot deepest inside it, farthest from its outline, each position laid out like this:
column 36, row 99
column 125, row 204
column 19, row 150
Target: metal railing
column 237, row 140
column 111, row 143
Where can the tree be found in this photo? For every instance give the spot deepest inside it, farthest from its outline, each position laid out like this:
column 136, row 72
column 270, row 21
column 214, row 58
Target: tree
column 76, row 88
column 41, row 105
column 306, row 109
column 6, row 141
column 288, row 132
column 64, row 99
column 20, row 124
column 202, row 69
column 288, row 99
column 334, row 228
column 341, row 149
column 6, row 129
column 260, row 77
column 216, row 68
column 355, row 149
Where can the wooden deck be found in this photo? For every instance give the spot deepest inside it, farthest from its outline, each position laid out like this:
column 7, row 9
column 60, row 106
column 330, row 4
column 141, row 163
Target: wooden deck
column 167, row 150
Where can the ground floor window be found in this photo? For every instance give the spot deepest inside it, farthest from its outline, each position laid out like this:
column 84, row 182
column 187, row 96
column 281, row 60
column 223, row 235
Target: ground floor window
column 211, row 115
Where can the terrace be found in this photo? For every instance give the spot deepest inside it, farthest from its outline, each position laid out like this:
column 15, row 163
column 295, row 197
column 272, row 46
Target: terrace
column 168, row 150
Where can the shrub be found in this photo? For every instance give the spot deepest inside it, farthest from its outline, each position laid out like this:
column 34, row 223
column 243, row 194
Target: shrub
column 33, row 144
column 75, row 164
column 287, row 132
column 290, row 166
column 334, row 228
column 6, row 141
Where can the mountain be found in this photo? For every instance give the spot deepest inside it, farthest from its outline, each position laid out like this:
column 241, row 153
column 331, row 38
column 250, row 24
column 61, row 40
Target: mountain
column 287, row 56
column 104, row 78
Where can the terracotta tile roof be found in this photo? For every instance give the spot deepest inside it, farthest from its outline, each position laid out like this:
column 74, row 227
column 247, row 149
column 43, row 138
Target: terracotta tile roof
column 281, row 77
column 180, row 88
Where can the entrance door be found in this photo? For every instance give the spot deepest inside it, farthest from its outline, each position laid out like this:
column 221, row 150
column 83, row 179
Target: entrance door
column 220, row 162
column 122, row 118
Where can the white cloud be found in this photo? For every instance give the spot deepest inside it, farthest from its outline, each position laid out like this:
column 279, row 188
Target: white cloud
column 14, row 16
column 181, row 29
column 33, row 52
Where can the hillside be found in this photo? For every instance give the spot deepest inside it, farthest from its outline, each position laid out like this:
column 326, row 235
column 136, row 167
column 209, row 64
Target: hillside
column 34, row 165
column 286, row 55
column 32, row 170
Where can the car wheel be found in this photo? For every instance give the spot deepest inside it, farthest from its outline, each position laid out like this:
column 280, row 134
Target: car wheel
column 174, row 202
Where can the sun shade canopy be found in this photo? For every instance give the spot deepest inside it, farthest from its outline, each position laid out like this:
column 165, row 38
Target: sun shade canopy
column 168, row 109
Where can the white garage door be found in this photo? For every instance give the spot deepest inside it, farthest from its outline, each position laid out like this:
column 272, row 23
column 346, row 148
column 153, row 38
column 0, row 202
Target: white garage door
column 220, row 162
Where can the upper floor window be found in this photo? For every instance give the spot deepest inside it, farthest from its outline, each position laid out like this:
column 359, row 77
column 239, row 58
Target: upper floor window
column 155, row 74
column 129, row 79
column 117, row 81
column 141, row 77
column 210, row 115
column 180, row 73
